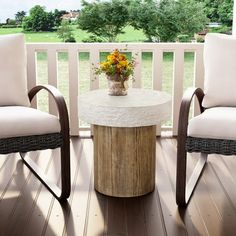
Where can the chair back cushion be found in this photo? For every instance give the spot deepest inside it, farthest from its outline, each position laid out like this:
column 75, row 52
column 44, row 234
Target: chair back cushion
column 13, row 83
column 220, row 70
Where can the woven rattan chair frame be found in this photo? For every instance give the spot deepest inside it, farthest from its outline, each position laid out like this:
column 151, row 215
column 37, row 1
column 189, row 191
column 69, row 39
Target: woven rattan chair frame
column 185, row 189
column 62, row 141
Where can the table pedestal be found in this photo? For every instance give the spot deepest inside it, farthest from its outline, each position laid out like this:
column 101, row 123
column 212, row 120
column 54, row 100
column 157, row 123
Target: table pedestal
column 124, row 160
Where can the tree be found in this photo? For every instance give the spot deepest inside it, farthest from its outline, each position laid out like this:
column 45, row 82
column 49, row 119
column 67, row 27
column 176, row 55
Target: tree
column 38, row 20
column 225, row 12
column 190, row 16
column 219, row 10
column 211, row 8
column 65, row 32
column 57, row 16
column 164, row 20
column 19, row 16
column 144, row 15
column 167, row 25
column 104, row 19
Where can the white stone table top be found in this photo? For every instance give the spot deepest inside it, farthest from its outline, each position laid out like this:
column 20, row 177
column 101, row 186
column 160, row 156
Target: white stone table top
column 141, row 107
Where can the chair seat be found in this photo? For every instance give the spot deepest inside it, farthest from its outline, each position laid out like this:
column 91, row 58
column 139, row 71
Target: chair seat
column 16, row 121
column 214, row 123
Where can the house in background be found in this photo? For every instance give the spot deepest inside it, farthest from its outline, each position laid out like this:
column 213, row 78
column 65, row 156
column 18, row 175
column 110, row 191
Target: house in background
column 72, row 15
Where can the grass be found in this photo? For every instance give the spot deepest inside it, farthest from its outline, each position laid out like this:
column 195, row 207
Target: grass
column 130, row 35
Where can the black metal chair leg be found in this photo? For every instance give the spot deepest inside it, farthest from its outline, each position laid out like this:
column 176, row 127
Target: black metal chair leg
column 185, row 189
column 64, row 192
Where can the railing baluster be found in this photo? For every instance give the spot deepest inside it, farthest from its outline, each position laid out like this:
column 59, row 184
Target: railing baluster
column 31, row 72
column 94, row 60
column 177, row 86
column 157, row 70
column 52, row 76
column 198, row 75
column 137, row 54
column 73, row 90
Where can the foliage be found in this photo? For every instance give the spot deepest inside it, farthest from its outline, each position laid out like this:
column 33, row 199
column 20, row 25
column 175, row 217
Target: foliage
column 166, row 19
column 144, row 15
column 11, row 22
column 225, row 11
column 200, row 40
column 211, row 9
column 167, row 25
column 222, row 30
column 38, row 20
column 183, row 38
column 57, row 16
column 117, row 64
column 92, row 39
column 19, row 16
column 103, row 19
column 219, row 10
column 65, row 32
column 190, row 16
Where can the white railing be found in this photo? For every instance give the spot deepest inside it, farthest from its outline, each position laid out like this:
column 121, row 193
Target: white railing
column 136, row 49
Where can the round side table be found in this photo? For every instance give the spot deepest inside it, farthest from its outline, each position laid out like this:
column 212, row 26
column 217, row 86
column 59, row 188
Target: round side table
column 124, row 138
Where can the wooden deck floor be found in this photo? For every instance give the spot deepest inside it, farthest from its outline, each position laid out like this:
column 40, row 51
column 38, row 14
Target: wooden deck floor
column 27, row 208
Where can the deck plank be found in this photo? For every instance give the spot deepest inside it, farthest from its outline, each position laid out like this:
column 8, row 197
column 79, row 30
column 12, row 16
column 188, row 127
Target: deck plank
column 80, row 190
column 173, row 221
column 202, row 198
column 38, row 221
column 60, row 212
column 29, row 193
column 115, row 210
column 190, row 216
column 28, row 208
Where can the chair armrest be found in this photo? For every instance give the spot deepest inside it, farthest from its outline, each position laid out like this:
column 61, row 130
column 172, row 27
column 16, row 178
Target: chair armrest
column 60, row 102
column 185, row 107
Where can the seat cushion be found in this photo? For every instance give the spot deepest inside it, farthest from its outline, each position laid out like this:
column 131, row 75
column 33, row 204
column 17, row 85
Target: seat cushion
column 13, row 84
column 18, row 121
column 214, row 123
column 220, row 73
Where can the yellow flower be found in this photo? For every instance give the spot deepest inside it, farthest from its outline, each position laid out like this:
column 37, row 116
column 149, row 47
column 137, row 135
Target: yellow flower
column 116, row 63
column 116, row 53
column 119, row 66
column 111, row 58
column 122, row 57
column 123, row 63
column 104, row 65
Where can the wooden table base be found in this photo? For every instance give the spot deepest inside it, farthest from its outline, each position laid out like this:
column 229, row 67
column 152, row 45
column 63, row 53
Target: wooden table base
column 124, row 160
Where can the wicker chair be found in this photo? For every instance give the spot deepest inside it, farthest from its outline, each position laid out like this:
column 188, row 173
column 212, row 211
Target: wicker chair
column 214, row 130
column 24, row 129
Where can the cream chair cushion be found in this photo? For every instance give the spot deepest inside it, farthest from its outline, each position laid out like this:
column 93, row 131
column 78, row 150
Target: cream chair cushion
column 215, row 123
column 13, row 85
column 220, row 70
column 18, row 121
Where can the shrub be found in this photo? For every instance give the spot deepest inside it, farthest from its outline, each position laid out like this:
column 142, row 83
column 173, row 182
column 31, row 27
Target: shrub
column 200, row 40
column 65, row 32
column 70, row 40
column 183, row 38
column 92, row 39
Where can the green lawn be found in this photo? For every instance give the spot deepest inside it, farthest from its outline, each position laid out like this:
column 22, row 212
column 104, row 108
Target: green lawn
column 130, row 35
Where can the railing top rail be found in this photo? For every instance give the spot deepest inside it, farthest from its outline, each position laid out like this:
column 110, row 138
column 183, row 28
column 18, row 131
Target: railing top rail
column 110, row 46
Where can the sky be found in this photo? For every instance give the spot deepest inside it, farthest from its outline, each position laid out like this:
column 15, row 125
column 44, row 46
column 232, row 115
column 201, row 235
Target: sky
column 8, row 8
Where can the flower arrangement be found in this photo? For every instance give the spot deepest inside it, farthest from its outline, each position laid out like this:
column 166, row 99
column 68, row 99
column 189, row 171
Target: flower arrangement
column 117, row 66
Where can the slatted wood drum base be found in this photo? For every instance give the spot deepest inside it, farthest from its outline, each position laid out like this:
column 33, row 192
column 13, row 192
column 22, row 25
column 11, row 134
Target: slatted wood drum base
column 124, row 160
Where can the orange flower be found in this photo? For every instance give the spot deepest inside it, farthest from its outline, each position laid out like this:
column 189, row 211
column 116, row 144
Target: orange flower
column 117, row 63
